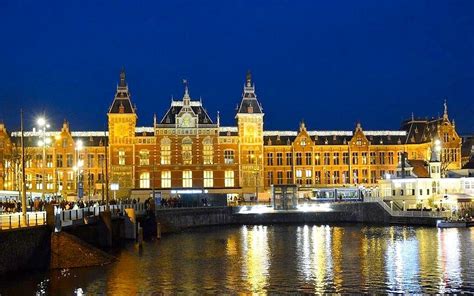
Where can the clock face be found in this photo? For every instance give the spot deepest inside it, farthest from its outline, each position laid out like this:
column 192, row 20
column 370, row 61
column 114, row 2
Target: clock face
column 250, row 129
column 186, row 121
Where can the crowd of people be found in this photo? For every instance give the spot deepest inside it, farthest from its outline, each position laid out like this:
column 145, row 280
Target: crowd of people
column 38, row 204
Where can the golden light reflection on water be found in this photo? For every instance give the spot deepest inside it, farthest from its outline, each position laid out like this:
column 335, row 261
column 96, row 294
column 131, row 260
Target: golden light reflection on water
column 280, row 259
column 256, row 257
column 315, row 257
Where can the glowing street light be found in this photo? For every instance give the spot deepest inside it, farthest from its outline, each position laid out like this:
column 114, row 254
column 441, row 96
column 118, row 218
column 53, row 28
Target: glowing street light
column 43, row 142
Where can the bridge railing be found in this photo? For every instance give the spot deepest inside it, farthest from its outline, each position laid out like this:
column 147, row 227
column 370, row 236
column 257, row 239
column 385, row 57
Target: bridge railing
column 69, row 216
column 15, row 220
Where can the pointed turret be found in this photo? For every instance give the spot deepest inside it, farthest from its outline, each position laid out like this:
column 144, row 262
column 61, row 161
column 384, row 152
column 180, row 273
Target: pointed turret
column 445, row 114
column 249, row 103
column 122, row 102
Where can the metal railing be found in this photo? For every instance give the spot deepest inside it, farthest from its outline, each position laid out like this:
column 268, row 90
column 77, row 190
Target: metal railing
column 406, row 213
column 15, row 220
column 69, row 216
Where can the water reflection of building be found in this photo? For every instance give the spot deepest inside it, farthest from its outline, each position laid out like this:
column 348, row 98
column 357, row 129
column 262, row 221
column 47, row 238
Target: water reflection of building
column 315, row 257
column 256, row 261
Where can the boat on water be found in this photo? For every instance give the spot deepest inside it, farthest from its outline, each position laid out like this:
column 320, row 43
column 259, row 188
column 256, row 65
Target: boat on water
column 454, row 224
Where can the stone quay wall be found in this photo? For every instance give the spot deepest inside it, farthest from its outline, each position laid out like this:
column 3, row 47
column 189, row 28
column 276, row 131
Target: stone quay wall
column 25, row 249
column 172, row 220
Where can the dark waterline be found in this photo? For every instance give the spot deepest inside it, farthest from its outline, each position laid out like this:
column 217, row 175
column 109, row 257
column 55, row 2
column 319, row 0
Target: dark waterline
column 275, row 259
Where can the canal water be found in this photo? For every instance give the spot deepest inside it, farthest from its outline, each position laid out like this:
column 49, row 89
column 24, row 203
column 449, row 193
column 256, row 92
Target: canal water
column 275, row 259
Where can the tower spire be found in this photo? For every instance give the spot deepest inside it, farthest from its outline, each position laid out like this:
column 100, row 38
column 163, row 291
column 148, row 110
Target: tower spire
column 249, row 78
column 445, row 115
column 123, row 83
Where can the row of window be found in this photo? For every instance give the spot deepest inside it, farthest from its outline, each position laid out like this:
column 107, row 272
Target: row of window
column 187, row 179
column 310, row 177
column 335, row 158
column 66, row 160
column 187, row 155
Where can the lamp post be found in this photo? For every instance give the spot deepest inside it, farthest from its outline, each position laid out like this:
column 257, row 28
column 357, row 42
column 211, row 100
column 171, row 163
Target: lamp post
column 78, row 168
column 43, row 125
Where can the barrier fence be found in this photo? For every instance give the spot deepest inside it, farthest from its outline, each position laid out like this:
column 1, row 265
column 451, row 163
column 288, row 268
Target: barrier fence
column 16, row 220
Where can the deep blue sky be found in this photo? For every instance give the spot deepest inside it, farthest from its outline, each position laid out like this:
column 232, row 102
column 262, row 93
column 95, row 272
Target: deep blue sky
column 330, row 63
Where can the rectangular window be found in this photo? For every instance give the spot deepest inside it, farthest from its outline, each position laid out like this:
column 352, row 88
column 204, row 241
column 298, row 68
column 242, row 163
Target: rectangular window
column 144, row 157
column 279, row 177
column 251, row 157
column 39, row 182
column 59, row 160
column 326, row 159
column 309, row 177
column 299, row 175
column 101, row 160
column 145, row 180
column 335, row 158
column 90, row 160
column 336, row 177
column 166, row 179
column 269, row 178
column 208, row 178
column 279, row 158
column 229, row 179
column 228, row 156
column 208, row 152
column 317, row 177
column 121, row 157
column 345, row 158
column 269, row 158
column 49, row 160
column 309, row 158
column 355, row 158
column 345, row 177
column 165, row 152
column 382, row 158
column 364, row 157
column 298, row 158
column 390, row 158
column 49, row 182
column 289, row 177
column 373, row 177
column 39, row 160
column 69, row 160
column 365, row 176
column 289, row 158
column 187, row 179
column 327, row 177
column 372, row 157
column 317, row 159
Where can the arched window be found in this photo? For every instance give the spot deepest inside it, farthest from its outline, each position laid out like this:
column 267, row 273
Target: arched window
column 207, row 151
column 165, row 151
column 187, row 150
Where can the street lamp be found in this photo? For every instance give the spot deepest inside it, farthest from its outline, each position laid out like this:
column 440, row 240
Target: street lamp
column 43, row 125
column 78, row 169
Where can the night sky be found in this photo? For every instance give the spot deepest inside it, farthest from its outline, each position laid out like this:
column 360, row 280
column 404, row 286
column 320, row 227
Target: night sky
column 331, row 63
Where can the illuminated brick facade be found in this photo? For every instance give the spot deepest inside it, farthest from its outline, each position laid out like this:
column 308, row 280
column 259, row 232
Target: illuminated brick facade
column 187, row 149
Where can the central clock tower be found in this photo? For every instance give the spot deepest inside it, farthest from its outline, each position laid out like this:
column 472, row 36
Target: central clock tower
column 122, row 120
column 250, row 129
